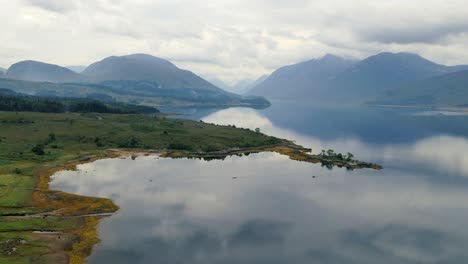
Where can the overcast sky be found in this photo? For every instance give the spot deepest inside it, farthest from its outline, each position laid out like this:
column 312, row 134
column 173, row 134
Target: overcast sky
column 230, row 39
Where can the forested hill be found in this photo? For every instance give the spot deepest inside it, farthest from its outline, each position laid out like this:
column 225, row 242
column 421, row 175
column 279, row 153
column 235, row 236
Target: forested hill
column 11, row 101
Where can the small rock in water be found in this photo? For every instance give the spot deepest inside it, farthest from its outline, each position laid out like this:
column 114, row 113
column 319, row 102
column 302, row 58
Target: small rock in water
column 314, row 176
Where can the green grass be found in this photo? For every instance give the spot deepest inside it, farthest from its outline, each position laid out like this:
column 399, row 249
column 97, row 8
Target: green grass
column 26, row 252
column 9, row 224
column 15, row 190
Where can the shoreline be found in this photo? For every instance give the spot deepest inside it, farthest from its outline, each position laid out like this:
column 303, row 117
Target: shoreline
column 74, row 245
column 423, row 107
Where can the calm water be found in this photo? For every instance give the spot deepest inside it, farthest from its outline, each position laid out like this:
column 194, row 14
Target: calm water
column 193, row 211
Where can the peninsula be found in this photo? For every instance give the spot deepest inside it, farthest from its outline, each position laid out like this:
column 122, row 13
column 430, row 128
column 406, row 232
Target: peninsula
column 47, row 226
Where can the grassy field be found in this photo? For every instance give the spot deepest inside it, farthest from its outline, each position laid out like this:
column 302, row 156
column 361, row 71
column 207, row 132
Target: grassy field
column 33, row 145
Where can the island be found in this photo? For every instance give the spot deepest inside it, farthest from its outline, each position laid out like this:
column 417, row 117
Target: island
column 47, row 226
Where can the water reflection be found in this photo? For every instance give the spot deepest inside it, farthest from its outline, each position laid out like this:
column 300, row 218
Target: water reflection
column 266, row 208
column 441, row 153
column 193, row 211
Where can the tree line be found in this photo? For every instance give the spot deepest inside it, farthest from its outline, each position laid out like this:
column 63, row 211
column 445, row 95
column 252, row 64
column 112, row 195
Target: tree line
column 26, row 103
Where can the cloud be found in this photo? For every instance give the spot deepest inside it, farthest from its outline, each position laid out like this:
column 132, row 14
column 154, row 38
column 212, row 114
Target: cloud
column 58, row 6
column 229, row 39
column 414, row 35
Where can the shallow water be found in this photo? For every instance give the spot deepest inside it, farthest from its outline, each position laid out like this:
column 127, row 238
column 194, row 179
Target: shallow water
column 265, row 208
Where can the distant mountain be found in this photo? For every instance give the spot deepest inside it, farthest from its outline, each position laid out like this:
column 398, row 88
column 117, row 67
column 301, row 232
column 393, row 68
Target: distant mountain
column 336, row 79
column 76, row 68
column 219, row 83
column 41, row 72
column 244, row 86
column 241, row 87
column 256, row 83
column 303, row 79
column 2, row 71
column 445, row 90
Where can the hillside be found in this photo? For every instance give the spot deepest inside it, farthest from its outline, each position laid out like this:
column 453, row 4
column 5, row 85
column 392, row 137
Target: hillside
column 135, row 92
column 42, row 72
column 444, row 90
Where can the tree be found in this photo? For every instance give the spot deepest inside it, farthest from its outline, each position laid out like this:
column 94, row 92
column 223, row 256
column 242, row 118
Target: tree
column 331, row 152
column 350, row 157
column 257, row 130
column 38, row 149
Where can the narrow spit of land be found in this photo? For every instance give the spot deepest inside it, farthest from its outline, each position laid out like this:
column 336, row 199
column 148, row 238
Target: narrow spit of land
column 33, row 146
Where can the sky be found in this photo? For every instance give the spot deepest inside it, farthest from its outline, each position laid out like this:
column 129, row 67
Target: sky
column 230, row 39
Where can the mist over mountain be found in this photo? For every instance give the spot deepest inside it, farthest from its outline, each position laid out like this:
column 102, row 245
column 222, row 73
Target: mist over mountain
column 336, row 79
column 220, row 83
column 76, row 68
column 244, row 86
column 41, row 72
column 241, row 87
column 306, row 78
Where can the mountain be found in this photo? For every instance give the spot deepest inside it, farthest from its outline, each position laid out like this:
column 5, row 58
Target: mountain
column 336, row 79
column 384, row 71
column 148, row 68
column 76, row 68
column 2, row 71
column 41, row 72
column 445, row 90
column 302, row 79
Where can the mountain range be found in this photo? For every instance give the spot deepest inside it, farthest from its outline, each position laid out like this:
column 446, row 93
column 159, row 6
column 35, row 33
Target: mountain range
column 384, row 78
column 335, row 79
column 139, row 78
